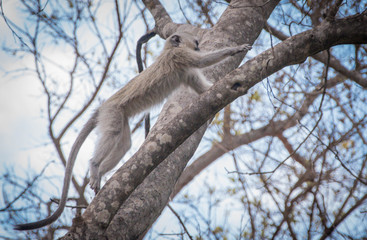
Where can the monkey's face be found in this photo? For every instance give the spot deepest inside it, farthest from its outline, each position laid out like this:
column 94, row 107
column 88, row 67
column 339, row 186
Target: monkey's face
column 183, row 40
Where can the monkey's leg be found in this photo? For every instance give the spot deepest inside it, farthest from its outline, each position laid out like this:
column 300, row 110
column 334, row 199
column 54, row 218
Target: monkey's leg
column 122, row 145
column 112, row 145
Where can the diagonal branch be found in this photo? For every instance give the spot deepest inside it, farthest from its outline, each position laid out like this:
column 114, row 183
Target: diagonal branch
column 322, row 57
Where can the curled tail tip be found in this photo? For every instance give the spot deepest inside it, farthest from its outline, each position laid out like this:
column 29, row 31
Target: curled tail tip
column 16, row 227
column 20, row 227
column 39, row 224
column 29, row 226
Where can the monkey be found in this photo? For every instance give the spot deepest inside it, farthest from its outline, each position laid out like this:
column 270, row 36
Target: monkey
column 178, row 64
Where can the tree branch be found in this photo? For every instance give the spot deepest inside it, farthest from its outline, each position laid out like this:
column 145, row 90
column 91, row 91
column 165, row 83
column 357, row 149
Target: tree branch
column 322, row 57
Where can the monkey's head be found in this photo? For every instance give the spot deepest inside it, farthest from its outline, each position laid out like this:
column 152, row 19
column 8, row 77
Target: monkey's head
column 182, row 40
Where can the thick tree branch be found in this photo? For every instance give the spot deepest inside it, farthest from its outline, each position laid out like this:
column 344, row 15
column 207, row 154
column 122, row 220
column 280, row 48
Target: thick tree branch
column 322, row 57
column 161, row 18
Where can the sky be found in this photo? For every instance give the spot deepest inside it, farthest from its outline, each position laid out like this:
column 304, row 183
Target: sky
column 19, row 100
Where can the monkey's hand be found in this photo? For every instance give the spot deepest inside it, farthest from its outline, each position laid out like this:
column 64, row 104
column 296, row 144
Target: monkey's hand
column 242, row 48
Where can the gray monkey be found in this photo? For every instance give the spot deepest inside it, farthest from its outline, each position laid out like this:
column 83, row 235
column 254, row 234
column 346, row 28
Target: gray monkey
column 178, row 64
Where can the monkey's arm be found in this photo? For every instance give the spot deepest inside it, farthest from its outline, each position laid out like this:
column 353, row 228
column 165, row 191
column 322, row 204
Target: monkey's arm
column 198, row 81
column 202, row 60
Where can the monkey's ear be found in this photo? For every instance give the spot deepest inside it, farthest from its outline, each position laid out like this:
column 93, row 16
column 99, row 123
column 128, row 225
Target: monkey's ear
column 175, row 40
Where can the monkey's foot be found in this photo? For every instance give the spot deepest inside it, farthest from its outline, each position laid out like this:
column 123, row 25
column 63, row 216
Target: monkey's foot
column 95, row 184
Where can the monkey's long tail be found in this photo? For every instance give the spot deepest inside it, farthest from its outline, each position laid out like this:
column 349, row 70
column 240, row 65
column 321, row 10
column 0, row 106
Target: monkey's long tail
column 87, row 129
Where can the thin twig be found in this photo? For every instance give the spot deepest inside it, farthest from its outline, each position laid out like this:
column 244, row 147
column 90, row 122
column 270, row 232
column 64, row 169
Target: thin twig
column 180, row 220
